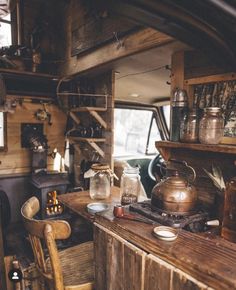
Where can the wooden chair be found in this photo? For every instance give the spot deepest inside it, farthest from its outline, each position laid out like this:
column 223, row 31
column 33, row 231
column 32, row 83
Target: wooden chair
column 69, row 269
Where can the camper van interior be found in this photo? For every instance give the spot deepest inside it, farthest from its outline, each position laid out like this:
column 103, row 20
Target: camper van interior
column 117, row 145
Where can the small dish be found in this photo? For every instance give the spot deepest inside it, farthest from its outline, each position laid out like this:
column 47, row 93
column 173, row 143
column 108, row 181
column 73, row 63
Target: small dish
column 165, row 233
column 95, row 207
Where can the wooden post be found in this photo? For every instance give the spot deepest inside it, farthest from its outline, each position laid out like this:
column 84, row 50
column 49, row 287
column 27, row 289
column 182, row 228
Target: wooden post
column 2, row 264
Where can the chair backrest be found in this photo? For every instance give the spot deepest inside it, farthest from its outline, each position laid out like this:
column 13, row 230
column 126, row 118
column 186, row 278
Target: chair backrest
column 49, row 231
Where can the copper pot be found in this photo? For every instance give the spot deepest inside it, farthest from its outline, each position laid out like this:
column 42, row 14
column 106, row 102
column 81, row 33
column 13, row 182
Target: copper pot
column 175, row 194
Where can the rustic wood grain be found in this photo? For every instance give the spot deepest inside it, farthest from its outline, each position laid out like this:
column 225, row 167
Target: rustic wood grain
column 77, row 201
column 211, row 79
column 136, row 42
column 17, row 159
column 119, row 264
column 182, row 281
column 158, row 274
column 217, row 269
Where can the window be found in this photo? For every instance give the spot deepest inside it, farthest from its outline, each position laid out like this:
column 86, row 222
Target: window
column 3, row 129
column 166, row 111
column 6, row 31
column 135, row 132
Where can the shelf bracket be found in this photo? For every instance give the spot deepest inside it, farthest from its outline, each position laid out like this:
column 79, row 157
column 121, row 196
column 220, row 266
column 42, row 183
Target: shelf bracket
column 75, row 118
column 98, row 118
column 97, row 149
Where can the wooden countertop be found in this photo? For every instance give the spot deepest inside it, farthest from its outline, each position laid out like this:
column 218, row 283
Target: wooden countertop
column 206, row 257
column 77, row 201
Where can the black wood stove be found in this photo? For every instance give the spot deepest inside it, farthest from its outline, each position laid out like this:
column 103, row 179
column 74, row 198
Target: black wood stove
column 45, row 185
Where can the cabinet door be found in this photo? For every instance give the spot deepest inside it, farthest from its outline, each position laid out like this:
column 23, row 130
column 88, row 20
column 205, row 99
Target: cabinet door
column 160, row 275
column 183, row 281
column 119, row 265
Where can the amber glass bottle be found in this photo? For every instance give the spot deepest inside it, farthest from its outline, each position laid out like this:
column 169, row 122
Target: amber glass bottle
column 228, row 231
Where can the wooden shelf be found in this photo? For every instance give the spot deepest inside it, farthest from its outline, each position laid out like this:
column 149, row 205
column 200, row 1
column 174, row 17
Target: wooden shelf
column 92, row 142
column 211, row 79
column 97, row 140
column 165, row 146
column 29, row 73
column 88, row 109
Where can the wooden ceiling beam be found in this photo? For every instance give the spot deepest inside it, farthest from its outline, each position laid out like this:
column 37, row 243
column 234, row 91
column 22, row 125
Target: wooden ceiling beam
column 139, row 41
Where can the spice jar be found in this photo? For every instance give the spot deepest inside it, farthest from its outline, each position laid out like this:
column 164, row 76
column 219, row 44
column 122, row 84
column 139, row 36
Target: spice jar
column 100, row 181
column 189, row 127
column 130, row 185
column 211, row 126
column 228, row 231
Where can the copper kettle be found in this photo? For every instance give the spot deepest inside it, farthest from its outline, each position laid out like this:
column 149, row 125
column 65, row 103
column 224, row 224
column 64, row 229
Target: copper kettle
column 174, row 193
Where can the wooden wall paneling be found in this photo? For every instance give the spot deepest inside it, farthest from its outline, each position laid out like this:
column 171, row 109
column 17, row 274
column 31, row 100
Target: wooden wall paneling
column 17, row 159
column 197, row 64
column 158, row 274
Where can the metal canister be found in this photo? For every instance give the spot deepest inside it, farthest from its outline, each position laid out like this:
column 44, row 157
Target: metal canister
column 179, row 109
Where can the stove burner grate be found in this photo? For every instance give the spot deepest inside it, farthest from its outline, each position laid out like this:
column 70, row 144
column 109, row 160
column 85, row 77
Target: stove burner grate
column 194, row 222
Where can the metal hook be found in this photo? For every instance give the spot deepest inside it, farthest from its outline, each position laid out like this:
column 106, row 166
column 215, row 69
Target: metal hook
column 120, row 43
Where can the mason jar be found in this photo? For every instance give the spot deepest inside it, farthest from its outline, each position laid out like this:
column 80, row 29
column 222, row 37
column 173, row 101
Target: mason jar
column 100, row 182
column 130, row 185
column 211, row 126
column 189, row 127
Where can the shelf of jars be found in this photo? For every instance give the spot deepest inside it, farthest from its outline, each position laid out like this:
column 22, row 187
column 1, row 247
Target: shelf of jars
column 164, row 147
column 91, row 141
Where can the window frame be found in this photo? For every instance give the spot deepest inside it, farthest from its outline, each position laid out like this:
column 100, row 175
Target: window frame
column 13, row 23
column 121, row 105
column 4, row 147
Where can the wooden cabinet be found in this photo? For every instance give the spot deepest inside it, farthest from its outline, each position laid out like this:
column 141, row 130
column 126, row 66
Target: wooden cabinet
column 120, row 265
column 163, row 276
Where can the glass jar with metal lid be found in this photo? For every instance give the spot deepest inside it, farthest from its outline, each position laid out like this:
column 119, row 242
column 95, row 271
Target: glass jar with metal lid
column 130, row 185
column 211, row 126
column 100, row 181
column 189, row 127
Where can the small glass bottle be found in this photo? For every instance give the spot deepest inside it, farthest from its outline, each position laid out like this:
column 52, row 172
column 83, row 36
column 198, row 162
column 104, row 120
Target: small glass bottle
column 189, row 127
column 130, row 185
column 100, row 182
column 211, row 126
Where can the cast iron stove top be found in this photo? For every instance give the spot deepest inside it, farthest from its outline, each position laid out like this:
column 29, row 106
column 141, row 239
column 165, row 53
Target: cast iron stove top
column 194, row 222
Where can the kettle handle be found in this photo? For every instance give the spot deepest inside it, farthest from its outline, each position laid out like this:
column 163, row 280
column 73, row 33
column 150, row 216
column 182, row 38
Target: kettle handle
column 185, row 164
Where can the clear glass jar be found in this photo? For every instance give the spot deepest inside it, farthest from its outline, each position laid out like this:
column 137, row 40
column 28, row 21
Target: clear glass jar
column 100, row 182
column 189, row 127
column 130, row 185
column 211, row 126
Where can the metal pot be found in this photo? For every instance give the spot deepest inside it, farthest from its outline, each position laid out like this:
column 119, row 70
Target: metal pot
column 175, row 194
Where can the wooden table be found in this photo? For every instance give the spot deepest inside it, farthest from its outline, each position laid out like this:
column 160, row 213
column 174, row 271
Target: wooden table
column 77, row 201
